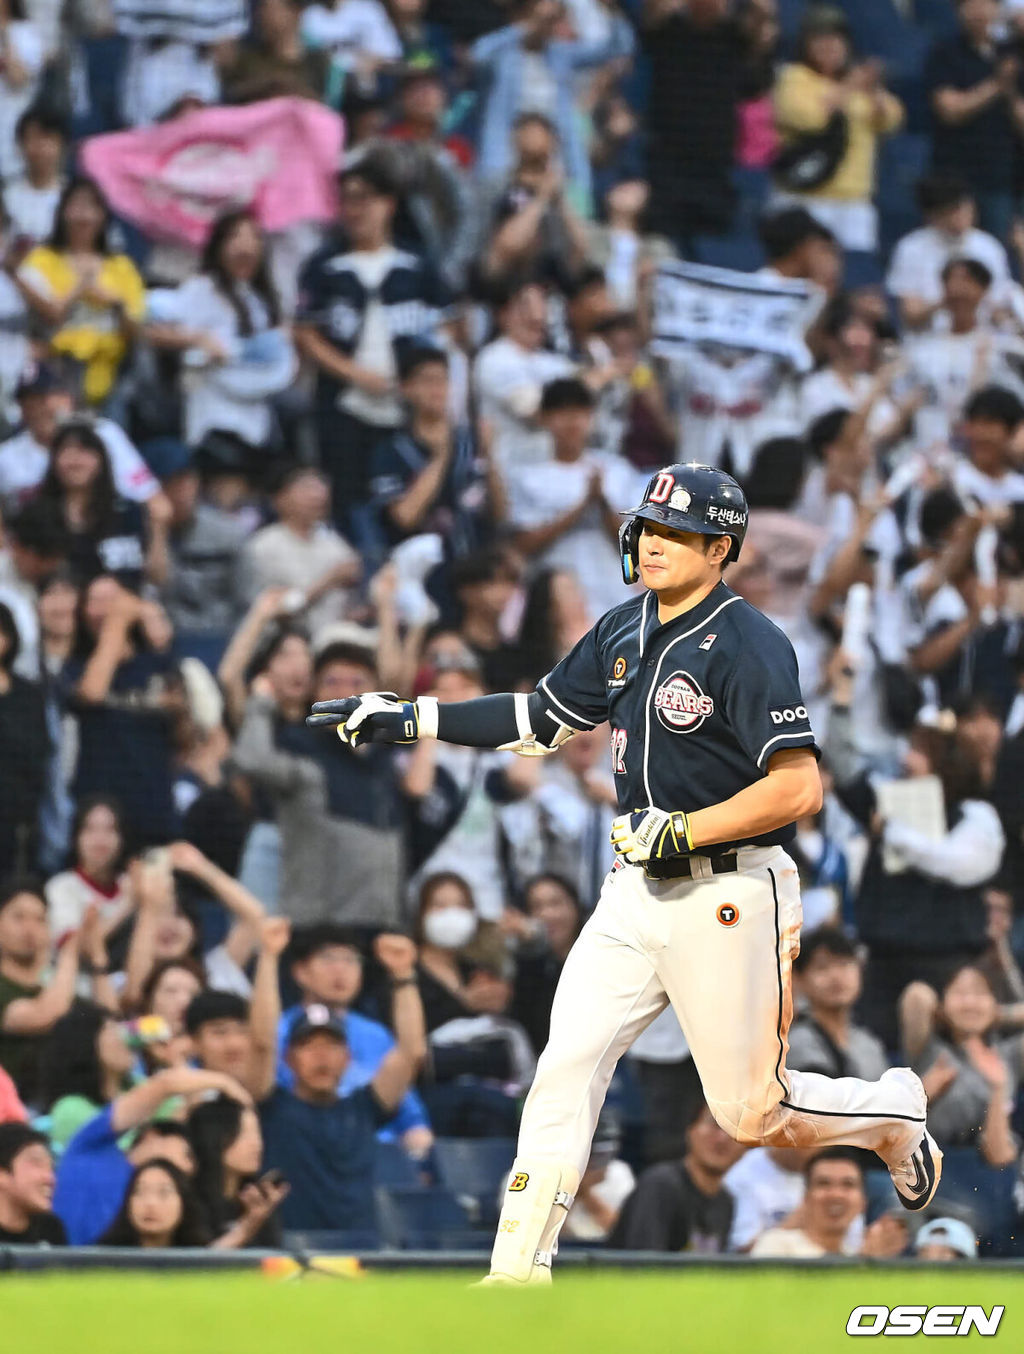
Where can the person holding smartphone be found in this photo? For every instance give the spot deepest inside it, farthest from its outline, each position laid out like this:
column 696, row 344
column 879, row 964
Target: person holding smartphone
column 239, row 1205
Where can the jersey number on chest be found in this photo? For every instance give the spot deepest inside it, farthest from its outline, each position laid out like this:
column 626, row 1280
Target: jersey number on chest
column 620, row 737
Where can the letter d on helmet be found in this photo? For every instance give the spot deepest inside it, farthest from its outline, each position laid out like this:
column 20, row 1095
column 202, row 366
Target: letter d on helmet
column 688, row 497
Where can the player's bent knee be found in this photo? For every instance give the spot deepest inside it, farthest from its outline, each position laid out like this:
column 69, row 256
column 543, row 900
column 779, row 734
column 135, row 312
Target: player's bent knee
column 752, row 1128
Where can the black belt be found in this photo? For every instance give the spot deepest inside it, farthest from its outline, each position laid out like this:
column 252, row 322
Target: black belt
column 681, row 867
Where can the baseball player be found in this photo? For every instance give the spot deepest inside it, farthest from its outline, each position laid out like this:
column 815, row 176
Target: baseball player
column 715, row 760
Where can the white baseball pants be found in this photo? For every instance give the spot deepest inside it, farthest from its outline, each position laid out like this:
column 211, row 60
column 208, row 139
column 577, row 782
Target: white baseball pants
column 720, row 948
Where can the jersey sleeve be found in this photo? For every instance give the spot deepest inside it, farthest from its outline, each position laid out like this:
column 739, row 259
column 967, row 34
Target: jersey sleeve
column 576, row 691
column 763, row 702
column 390, row 474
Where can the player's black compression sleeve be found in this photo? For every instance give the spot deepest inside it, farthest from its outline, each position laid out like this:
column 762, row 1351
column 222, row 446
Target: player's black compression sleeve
column 490, row 722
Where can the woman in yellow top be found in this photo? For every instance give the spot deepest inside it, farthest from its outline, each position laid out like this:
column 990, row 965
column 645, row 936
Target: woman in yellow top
column 825, row 80
column 89, row 300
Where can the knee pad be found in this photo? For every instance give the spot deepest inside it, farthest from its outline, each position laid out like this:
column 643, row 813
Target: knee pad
column 537, row 1200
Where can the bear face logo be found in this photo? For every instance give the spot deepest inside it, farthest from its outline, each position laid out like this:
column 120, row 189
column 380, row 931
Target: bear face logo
column 680, row 499
column 681, row 705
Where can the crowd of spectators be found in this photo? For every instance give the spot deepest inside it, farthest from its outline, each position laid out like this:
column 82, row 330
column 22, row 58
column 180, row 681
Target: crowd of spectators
column 249, row 977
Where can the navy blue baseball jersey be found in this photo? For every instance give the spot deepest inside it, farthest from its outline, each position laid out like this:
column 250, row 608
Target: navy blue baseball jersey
column 697, row 707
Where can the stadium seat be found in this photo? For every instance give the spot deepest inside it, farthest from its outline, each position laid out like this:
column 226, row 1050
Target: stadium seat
column 391, row 1166
column 903, row 159
column 740, row 250
column 474, row 1169
column 427, row 1218
column 342, row 1239
column 881, row 1194
column 861, row 269
column 983, row 1194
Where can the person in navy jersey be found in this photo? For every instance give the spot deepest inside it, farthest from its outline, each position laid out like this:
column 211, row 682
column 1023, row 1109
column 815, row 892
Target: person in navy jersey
column 126, row 691
column 430, row 475
column 714, row 761
column 323, row 1143
column 362, row 303
column 106, row 533
column 327, row 966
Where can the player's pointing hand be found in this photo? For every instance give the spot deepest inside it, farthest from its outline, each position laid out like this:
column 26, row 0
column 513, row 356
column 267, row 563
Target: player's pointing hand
column 374, row 717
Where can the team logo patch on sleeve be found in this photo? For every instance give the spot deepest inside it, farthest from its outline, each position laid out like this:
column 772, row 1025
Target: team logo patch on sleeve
column 518, row 1182
column 681, row 705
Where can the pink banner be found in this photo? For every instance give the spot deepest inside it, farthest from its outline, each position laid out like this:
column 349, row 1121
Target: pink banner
column 278, row 158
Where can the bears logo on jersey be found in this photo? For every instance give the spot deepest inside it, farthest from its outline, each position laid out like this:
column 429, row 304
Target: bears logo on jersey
column 681, row 705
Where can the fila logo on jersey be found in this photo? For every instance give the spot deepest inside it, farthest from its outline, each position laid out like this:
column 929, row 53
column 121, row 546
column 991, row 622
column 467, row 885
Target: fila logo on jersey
column 789, row 715
column 728, row 915
column 681, row 705
column 707, row 642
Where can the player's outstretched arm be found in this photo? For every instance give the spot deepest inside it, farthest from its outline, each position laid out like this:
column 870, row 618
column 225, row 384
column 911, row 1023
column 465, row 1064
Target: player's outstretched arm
column 516, row 722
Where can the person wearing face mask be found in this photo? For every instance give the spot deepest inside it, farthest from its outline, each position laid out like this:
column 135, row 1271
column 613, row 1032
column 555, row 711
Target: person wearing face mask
column 480, row 1059
column 447, row 923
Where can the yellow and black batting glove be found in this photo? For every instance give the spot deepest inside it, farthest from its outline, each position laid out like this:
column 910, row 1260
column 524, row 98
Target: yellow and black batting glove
column 651, row 834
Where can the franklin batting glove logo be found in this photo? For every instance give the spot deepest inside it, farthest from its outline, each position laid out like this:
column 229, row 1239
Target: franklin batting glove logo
column 926, row 1320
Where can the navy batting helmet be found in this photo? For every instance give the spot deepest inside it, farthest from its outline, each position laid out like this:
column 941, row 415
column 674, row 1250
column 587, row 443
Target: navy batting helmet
column 686, row 498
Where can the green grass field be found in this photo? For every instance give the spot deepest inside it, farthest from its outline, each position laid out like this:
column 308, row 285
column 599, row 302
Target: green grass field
column 757, row 1312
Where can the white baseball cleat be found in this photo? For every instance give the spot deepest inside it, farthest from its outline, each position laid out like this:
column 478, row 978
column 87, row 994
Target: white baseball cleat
column 917, row 1177
column 540, row 1277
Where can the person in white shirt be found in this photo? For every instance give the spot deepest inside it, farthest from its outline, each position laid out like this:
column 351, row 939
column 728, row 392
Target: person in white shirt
column 947, row 609
column 15, row 353
column 31, row 198
column 23, row 54
column 45, row 401
column 949, row 232
column 853, row 348
column 96, row 878
column 227, row 322
column 566, row 513
column 160, row 76
column 768, row 1186
column 301, row 552
column 987, row 474
column 834, row 1198
column 358, row 33
column 948, row 363
column 510, row 374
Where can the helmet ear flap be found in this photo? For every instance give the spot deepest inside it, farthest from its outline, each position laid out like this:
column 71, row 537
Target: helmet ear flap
column 629, row 544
